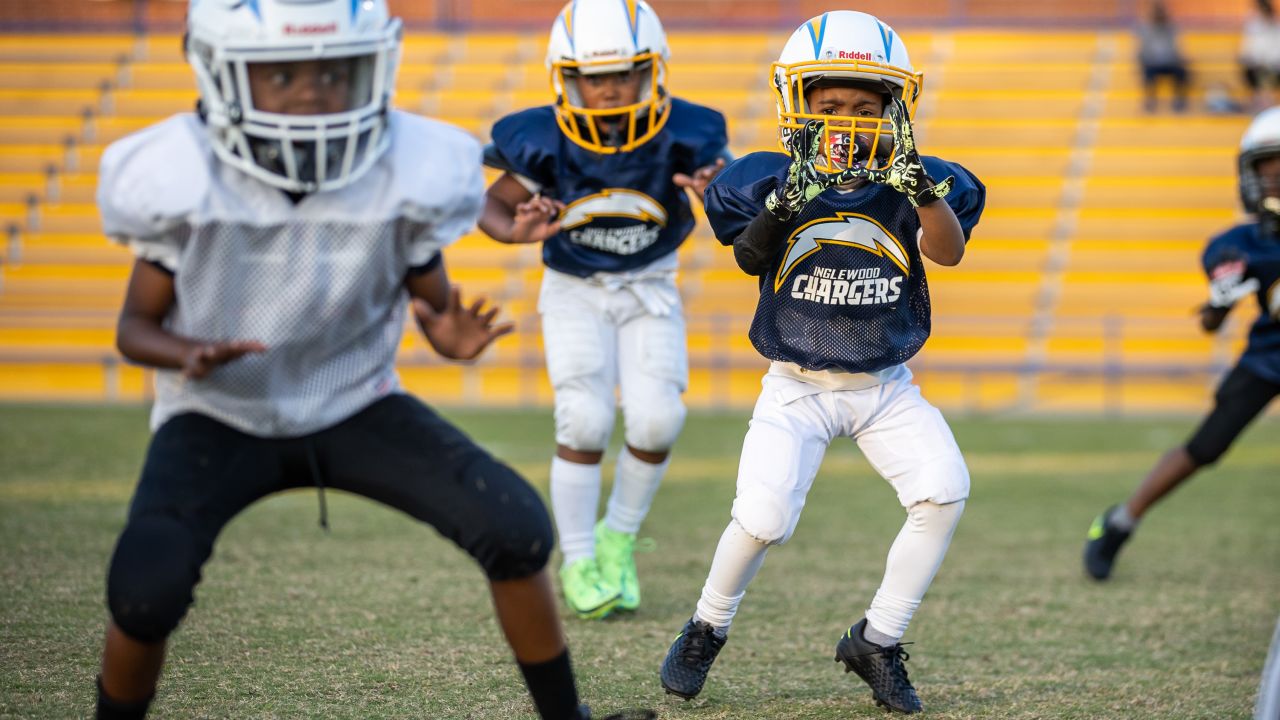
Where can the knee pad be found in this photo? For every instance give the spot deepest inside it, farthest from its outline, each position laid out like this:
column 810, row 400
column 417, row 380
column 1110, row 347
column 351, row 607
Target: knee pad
column 764, row 515
column 941, row 481
column 154, row 569
column 935, row 518
column 513, row 539
column 655, row 429
column 584, row 420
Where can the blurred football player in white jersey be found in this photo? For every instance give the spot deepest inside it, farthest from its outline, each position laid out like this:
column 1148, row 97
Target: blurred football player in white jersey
column 280, row 235
column 1241, row 262
column 599, row 179
column 835, row 232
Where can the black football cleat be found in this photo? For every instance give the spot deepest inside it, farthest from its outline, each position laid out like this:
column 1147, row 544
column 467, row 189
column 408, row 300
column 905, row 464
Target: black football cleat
column 1103, row 544
column 684, row 671
column 881, row 667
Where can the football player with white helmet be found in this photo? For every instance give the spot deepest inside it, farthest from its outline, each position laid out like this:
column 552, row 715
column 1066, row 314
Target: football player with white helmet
column 280, row 236
column 835, row 230
column 1240, row 263
column 599, row 179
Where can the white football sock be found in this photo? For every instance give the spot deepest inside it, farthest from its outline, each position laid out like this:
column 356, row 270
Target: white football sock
column 737, row 560
column 1122, row 519
column 575, row 498
column 635, row 482
column 913, row 560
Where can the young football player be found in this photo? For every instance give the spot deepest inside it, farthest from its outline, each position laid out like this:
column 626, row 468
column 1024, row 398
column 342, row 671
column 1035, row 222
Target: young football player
column 835, row 234
column 1240, row 262
column 599, row 179
column 280, row 235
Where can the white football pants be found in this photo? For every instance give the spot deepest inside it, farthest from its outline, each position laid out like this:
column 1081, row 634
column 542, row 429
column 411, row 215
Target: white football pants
column 600, row 334
column 903, row 437
column 630, row 337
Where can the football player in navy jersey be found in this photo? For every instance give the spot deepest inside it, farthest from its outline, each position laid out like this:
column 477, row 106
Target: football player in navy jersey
column 1241, row 262
column 835, row 232
column 599, row 178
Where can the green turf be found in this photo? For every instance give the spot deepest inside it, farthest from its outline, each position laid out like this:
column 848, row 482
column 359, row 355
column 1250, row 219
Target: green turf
column 380, row 618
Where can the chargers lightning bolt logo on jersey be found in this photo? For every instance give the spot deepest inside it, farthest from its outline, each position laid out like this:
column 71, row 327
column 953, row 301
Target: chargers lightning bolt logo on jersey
column 613, row 202
column 612, row 205
column 849, row 229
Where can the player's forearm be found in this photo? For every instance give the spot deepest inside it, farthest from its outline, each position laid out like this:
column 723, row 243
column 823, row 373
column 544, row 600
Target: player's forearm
column 755, row 248
column 144, row 341
column 942, row 240
column 1211, row 318
column 497, row 220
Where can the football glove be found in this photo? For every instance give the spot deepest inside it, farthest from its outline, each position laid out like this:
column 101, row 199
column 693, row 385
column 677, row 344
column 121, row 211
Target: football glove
column 1227, row 284
column 804, row 180
column 906, row 172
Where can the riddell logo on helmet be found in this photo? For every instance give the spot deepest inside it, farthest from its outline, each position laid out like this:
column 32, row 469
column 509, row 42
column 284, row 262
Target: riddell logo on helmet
column 291, row 29
column 854, row 55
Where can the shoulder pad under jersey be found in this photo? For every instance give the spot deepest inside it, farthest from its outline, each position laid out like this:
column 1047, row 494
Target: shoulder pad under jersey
column 435, row 165
column 150, row 181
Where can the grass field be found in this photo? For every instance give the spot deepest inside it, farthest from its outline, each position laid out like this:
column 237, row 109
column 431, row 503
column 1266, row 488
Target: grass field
column 380, row 618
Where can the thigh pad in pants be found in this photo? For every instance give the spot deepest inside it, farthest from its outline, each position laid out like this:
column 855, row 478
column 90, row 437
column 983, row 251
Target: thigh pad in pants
column 580, row 364
column 780, row 458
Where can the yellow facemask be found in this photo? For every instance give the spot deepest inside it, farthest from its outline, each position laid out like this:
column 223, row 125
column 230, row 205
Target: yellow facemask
column 847, row 140
column 639, row 121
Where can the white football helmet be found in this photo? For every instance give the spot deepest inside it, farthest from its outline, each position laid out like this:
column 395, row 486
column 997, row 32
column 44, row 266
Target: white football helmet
column 595, row 37
column 1261, row 140
column 843, row 46
column 297, row 153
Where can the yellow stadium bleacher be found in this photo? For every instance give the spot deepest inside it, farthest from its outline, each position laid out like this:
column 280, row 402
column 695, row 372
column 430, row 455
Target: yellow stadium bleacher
column 23, row 102
column 39, row 130
column 41, row 48
column 1077, row 291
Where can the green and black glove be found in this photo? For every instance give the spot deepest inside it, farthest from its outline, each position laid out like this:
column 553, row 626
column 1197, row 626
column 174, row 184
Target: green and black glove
column 906, row 172
column 804, row 180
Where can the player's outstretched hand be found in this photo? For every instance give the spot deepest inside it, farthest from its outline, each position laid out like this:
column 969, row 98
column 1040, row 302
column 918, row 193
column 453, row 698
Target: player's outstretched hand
column 906, row 172
column 458, row 332
column 206, row 357
column 1227, row 284
column 804, row 180
column 700, row 179
column 536, row 220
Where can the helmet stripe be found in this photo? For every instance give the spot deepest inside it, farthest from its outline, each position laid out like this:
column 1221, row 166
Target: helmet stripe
column 253, row 5
column 633, row 19
column 886, row 36
column 817, row 30
column 566, row 17
column 355, row 6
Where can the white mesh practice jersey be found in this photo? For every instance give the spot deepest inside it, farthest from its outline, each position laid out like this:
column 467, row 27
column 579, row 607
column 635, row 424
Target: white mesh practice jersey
column 321, row 283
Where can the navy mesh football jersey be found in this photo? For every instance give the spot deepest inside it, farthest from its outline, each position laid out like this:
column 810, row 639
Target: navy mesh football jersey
column 623, row 210
column 846, row 290
column 1261, row 255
